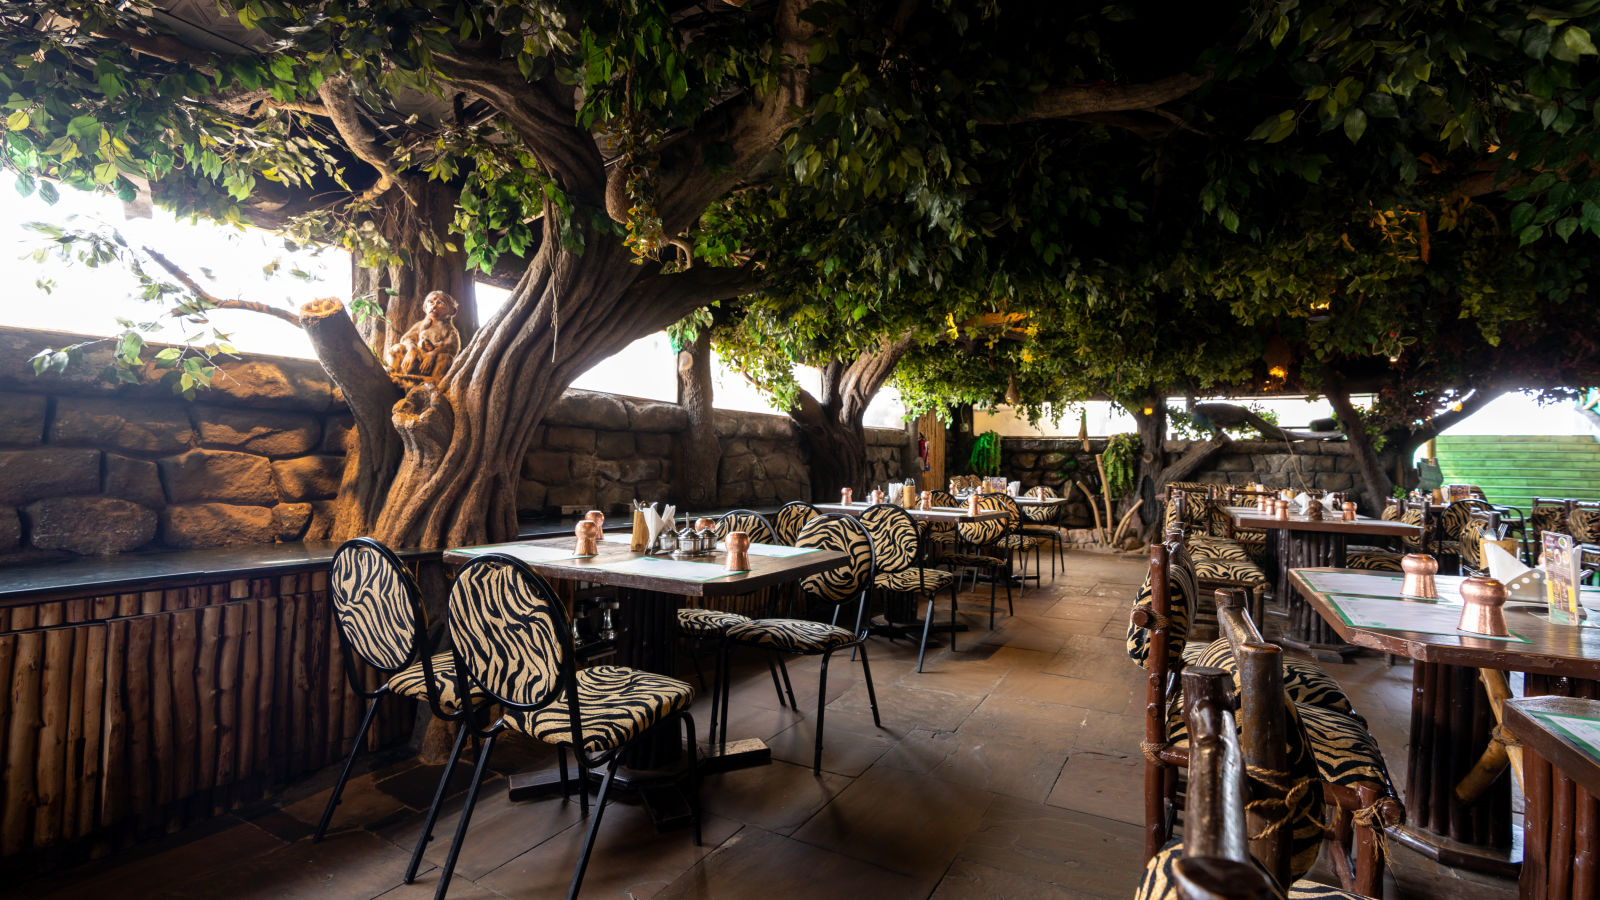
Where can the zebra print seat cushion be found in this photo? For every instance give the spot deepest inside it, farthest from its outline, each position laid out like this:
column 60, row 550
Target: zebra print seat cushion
column 790, row 635
column 412, row 681
column 1017, row 542
column 913, row 580
column 1374, row 560
column 943, row 537
column 1217, row 548
column 1304, row 681
column 1160, row 883
column 1208, row 568
column 1044, row 531
column 1345, row 751
column 707, row 622
column 976, row 560
column 615, row 705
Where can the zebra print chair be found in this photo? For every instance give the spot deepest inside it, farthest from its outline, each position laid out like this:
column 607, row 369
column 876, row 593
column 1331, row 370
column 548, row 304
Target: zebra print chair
column 382, row 626
column 979, row 537
column 1016, row 542
column 941, row 535
column 835, row 587
column 792, row 516
column 897, row 555
column 1043, row 523
column 511, row 643
column 748, row 521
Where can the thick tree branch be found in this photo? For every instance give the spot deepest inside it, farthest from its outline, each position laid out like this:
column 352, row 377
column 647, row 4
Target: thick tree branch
column 346, row 118
column 1068, row 101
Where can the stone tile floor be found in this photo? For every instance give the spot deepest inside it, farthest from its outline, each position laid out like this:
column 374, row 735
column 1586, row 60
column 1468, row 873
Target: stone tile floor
column 1007, row 769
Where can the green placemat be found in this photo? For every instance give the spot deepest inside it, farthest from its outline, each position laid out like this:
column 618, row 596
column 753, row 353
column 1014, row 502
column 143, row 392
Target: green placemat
column 1420, row 616
column 1581, row 730
column 678, row 569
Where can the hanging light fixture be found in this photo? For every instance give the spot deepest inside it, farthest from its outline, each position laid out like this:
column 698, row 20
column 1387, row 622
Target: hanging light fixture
column 1013, row 393
column 1320, row 310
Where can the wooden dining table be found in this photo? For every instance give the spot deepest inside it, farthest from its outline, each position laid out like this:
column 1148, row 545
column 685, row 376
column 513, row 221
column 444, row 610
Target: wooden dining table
column 650, row 589
column 1452, row 717
column 1560, row 739
column 1303, row 541
column 948, row 514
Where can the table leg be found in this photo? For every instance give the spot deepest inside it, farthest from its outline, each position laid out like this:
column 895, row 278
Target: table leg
column 1561, row 821
column 1451, row 721
column 1308, row 631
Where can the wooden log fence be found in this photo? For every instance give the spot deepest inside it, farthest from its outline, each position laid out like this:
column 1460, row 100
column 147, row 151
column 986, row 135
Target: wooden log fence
column 130, row 715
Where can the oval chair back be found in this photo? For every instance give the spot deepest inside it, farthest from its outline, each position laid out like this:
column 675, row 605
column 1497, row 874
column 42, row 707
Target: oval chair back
column 377, row 607
column 748, row 521
column 941, row 498
column 986, row 531
column 509, row 634
column 793, row 516
column 1042, row 515
column 843, row 583
column 896, row 543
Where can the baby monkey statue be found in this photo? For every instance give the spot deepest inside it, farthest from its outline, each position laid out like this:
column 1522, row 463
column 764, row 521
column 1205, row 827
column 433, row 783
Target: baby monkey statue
column 428, row 347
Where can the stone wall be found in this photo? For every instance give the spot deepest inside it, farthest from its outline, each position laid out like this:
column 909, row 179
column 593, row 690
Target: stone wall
column 90, row 467
column 601, row 451
column 1056, row 461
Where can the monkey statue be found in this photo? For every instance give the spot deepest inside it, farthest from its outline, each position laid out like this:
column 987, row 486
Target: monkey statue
column 428, row 347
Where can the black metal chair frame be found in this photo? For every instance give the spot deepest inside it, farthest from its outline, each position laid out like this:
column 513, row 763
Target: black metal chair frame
column 423, row 646
column 1058, row 552
column 566, row 685
column 996, row 574
column 859, row 643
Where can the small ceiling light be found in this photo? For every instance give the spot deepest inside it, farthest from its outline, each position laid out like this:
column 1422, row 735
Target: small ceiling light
column 1149, row 410
column 1320, row 311
column 1013, row 394
column 1278, row 357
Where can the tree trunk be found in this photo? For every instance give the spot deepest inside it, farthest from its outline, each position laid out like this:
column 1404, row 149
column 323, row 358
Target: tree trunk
column 1374, row 475
column 415, row 233
column 835, row 438
column 1152, row 460
column 699, row 450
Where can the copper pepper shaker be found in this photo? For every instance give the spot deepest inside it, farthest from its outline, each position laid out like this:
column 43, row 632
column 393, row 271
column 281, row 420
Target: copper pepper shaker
column 972, row 504
column 1483, row 607
column 588, row 538
column 844, row 496
column 738, row 543
column 925, row 501
column 1349, row 510
column 1419, row 569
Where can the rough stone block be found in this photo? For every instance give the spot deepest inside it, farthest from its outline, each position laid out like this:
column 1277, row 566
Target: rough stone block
column 22, row 419
column 545, row 465
column 308, row 477
column 1052, row 460
column 608, row 469
column 563, row 438
column 220, row 475
column 570, row 495
column 27, row 475
column 334, row 430
column 276, row 383
column 90, row 526
column 134, row 479
column 322, row 519
column 639, row 470
column 10, row 529
column 263, row 432
column 292, row 519
column 1025, row 460
column 583, row 467
column 588, row 409
column 645, row 415
column 653, row 446
column 1335, row 481
column 1233, row 464
column 530, row 496
column 612, row 498
column 614, row 445
column 735, row 468
column 217, row 524
column 122, row 424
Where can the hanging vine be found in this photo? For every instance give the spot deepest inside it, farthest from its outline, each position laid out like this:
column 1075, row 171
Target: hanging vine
column 985, row 458
column 1120, row 455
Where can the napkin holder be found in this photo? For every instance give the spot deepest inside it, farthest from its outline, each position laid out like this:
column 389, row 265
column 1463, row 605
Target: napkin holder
column 1483, row 607
column 1521, row 582
column 1418, row 584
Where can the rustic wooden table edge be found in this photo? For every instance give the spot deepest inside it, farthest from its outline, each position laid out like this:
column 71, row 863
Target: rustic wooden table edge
column 1559, row 750
column 1252, row 518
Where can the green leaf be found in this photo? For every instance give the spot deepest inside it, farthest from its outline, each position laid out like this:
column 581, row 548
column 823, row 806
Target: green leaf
column 105, row 173
column 283, row 68
column 1576, row 41
column 17, row 121
column 1529, row 235
column 48, row 192
column 83, row 127
column 1566, row 226
column 168, row 355
column 1380, row 105
column 1355, row 125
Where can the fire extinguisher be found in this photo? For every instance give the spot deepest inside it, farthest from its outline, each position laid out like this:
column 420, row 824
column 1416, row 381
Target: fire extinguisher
column 922, row 451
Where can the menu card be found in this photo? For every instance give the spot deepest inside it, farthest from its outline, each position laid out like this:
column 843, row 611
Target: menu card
column 1584, row 732
column 1561, row 578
